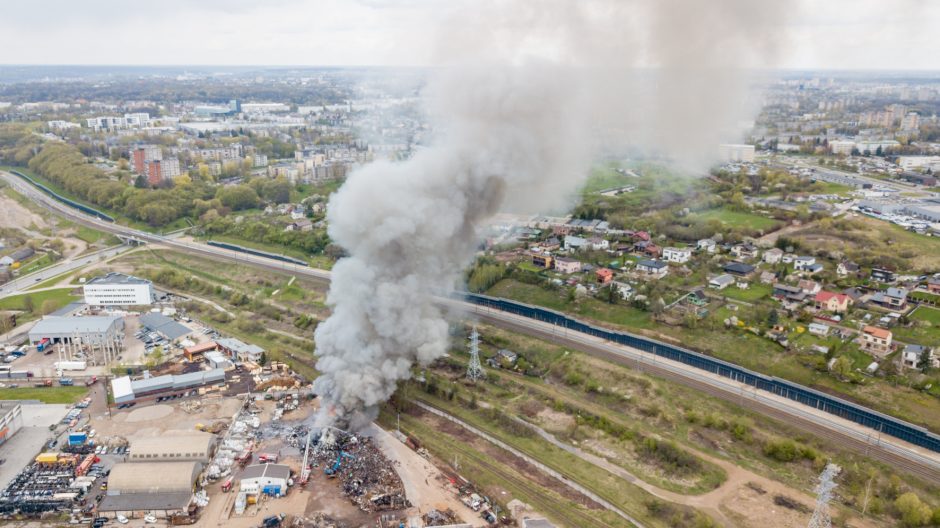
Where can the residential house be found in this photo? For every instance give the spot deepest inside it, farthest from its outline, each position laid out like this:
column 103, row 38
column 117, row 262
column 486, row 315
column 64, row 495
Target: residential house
column 604, row 275
column 933, row 284
column 788, row 258
column 739, row 269
column 551, row 244
column 575, row 243
column 809, row 287
column 806, row 263
column 624, row 289
column 567, row 265
column 832, row 302
column 876, row 341
column 599, row 244
column 648, row 248
column 304, row 224
column 767, row 277
column 785, row 292
column 721, row 282
column 883, row 275
column 653, row 268
column 892, row 298
column 773, row 255
column 745, row 251
column 542, row 260
column 678, row 255
column 911, row 355
column 707, row 245
column 18, row 256
column 846, row 268
column 298, row 212
column 642, row 236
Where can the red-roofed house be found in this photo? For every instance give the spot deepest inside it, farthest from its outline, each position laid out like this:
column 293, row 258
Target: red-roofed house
column 832, row 302
column 604, row 275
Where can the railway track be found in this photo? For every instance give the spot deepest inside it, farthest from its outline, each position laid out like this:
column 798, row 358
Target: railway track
column 924, row 472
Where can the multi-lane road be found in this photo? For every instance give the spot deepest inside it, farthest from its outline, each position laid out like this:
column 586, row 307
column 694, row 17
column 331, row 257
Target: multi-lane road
column 846, row 434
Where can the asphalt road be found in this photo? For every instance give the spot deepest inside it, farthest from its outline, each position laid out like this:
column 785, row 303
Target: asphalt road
column 25, row 282
column 848, row 434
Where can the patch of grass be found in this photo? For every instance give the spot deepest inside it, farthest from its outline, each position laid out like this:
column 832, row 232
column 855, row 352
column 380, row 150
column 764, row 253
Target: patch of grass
column 38, row 262
column 44, row 394
column 59, row 297
column 754, row 292
column 926, row 327
column 737, row 219
column 270, row 248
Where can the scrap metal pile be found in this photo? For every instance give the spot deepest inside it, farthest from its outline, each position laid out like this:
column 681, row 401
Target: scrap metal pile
column 367, row 477
column 42, row 487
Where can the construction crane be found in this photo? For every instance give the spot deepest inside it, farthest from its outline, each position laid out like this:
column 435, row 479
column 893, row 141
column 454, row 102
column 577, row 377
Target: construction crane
column 305, row 467
column 332, row 470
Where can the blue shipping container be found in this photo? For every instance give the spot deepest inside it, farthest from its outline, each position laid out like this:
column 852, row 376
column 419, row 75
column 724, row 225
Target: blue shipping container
column 77, row 438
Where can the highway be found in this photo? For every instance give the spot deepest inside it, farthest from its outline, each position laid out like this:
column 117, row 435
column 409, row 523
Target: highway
column 21, row 284
column 844, row 433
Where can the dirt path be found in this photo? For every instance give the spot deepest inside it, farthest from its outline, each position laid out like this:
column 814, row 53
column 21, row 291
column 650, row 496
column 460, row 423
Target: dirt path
column 771, row 238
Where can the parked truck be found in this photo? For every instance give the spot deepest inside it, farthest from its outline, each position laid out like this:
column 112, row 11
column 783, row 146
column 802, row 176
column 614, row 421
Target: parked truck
column 66, row 382
column 43, row 344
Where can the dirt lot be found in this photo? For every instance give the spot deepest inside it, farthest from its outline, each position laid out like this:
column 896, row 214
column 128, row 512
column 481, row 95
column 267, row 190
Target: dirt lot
column 12, row 214
column 162, row 419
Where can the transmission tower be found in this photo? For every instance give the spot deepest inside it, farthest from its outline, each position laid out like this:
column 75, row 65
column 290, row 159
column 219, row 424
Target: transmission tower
column 821, row 518
column 475, row 368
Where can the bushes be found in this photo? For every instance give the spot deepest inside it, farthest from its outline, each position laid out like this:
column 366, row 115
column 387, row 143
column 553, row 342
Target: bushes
column 786, row 450
column 670, row 456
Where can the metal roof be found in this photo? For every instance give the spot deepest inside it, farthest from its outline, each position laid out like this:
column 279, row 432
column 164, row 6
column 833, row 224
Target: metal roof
column 193, row 445
column 117, row 278
column 158, row 322
column 279, row 471
column 121, row 388
column 52, row 325
column 146, row 501
column 152, row 384
column 68, row 309
column 152, row 477
column 238, row 346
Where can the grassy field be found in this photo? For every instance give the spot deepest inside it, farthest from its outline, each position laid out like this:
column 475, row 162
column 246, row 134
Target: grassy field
column 43, row 394
column 270, row 248
column 926, row 330
column 38, row 262
column 735, row 219
column 59, row 297
column 607, row 177
column 754, row 292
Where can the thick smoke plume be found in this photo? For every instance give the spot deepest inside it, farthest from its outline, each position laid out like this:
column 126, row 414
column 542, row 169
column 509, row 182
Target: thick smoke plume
column 529, row 92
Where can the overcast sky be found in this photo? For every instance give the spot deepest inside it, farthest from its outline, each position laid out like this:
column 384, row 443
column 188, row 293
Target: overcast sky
column 818, row 34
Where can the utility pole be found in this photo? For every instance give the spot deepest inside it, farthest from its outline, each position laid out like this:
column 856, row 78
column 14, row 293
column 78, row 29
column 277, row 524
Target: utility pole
column 821, row 517
column 475, row 368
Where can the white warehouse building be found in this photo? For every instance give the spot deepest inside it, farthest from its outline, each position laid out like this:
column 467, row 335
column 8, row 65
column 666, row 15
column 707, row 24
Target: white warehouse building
column 270, row 479
column 118, row 289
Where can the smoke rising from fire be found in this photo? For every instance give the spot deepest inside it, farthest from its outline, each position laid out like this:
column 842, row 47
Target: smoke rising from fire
column 528, row 93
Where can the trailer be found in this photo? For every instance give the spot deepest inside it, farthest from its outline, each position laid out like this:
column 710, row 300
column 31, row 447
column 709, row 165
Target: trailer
column 70, row 365
column 66, row 382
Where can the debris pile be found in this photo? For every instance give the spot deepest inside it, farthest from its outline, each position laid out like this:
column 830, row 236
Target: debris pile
column 367, row 477
column 191, row 406
column 319, row 520
column 235, row 446
column 440, row 518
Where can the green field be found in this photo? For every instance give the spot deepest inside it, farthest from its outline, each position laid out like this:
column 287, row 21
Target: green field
column 737, row 219
column 59, row 297
column 753, row 293
column 926, row 328
column 43, row 394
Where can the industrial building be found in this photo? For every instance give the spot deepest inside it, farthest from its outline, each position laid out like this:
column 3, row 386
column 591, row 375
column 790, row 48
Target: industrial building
column 98, row 339
column 196, row 447
column 163, row 325
column 124, row 389
column 269, row 479
column 163, row 488
column 118, row 289
column 11, row 422
column 241, row 351
column 731, row 152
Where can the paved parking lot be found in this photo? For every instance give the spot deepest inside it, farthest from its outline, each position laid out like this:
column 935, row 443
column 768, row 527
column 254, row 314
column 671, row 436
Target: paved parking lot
column 30, row 440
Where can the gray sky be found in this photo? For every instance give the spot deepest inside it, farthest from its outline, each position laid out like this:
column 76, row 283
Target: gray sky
column 826, row 34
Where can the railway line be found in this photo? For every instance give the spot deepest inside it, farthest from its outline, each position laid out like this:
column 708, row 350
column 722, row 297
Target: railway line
column 864, row 440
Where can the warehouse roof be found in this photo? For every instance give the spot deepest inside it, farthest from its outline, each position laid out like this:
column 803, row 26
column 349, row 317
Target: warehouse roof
column 278, row 471
column 239, row 347
column 146, row 501
column 117, row 278
column 56, row 325
column 121, row 387
column 153, row 477
column 157, row 322
column 192, row 445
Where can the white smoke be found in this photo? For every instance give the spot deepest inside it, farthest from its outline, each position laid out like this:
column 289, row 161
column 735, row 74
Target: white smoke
column 528, row 90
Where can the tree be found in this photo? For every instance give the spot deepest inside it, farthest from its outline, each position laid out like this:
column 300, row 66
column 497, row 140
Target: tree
column 182, row 179
column 48, row 306
column 773, row 318
column 842, row 366
column 924, row 360
column 913, row 512
column 237, row 197
column 28, row 304
column 263, row 359
column 141, row 182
